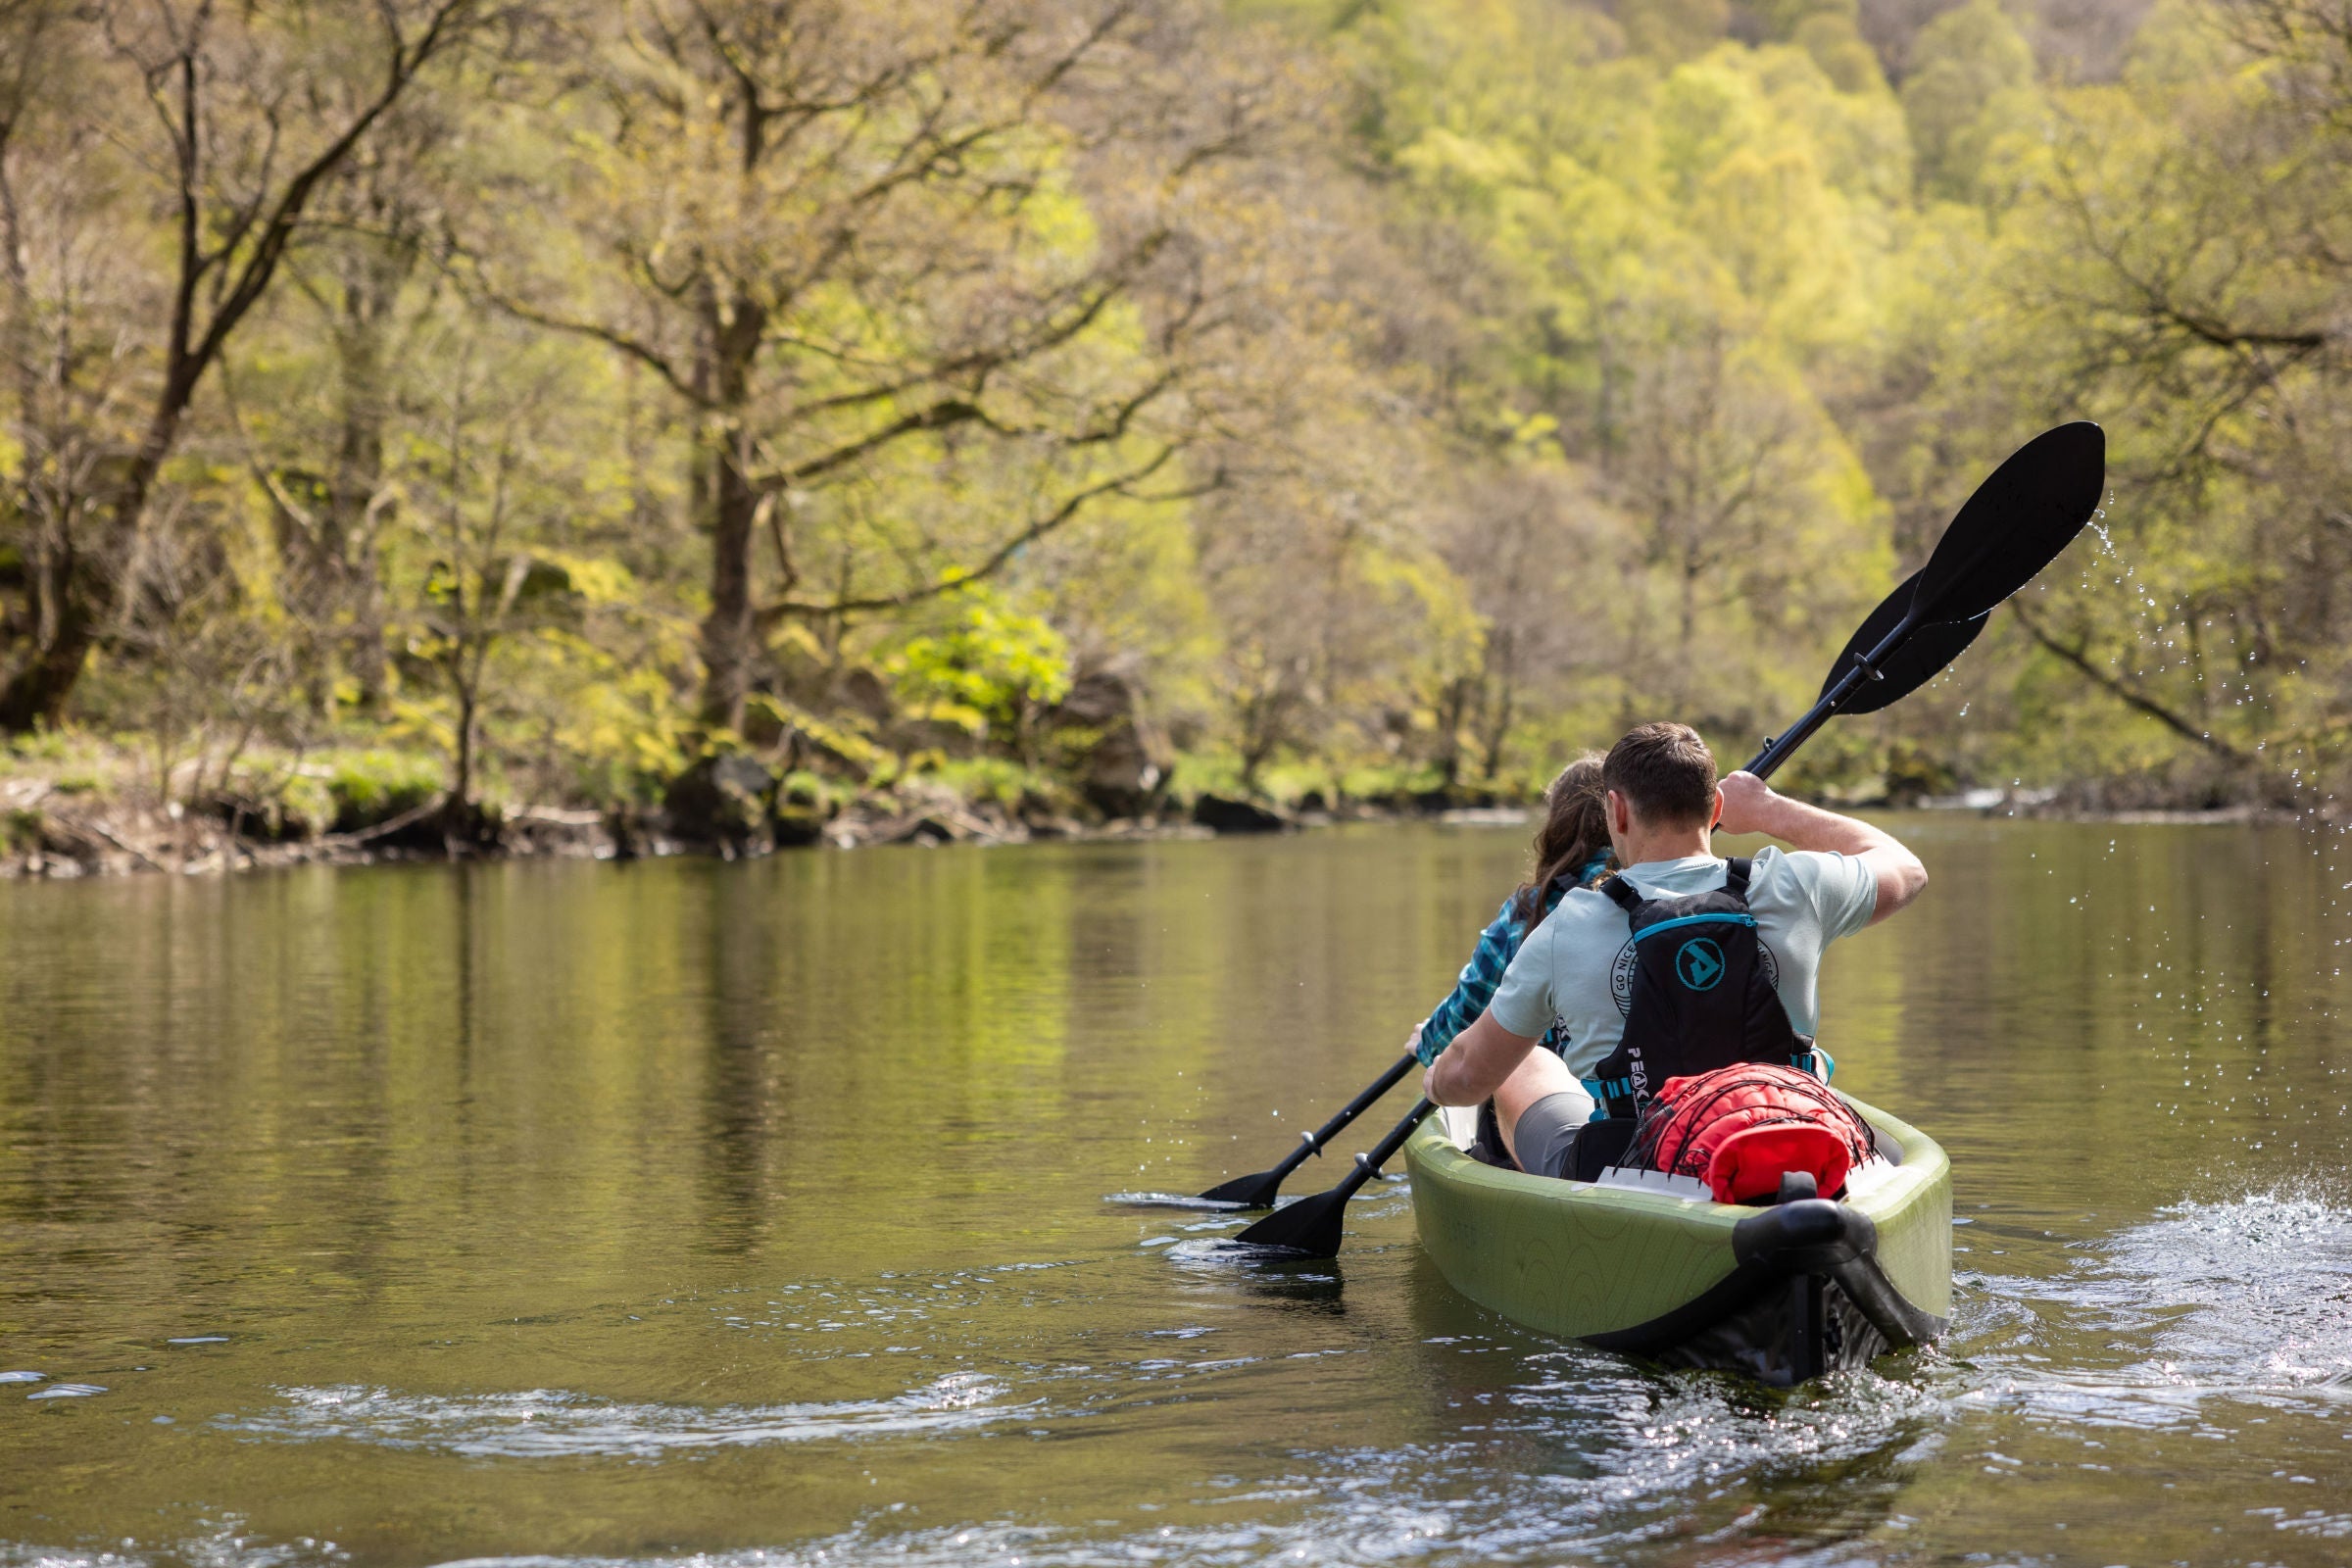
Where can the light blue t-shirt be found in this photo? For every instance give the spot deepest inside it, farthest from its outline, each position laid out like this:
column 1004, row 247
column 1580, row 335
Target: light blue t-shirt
column 1577, row 969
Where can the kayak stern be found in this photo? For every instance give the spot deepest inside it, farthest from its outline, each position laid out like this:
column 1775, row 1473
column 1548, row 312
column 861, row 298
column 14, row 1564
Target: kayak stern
column 1781, row 1294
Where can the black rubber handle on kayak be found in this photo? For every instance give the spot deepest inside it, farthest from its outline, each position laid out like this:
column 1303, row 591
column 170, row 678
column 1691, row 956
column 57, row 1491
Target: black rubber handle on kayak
column 1257, row 1192
column 1311, row 1225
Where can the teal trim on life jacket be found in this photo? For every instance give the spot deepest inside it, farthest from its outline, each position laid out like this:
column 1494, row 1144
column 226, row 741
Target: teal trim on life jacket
column 1726, row 918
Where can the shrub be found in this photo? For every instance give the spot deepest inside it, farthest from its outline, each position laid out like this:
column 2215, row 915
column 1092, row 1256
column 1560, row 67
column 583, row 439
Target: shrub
column 369, row 788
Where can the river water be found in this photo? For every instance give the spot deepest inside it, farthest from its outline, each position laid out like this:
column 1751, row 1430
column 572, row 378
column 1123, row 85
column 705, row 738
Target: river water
column 754, row 1215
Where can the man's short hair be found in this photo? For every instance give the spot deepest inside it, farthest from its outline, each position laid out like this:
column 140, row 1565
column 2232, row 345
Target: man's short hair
column 1666, row 774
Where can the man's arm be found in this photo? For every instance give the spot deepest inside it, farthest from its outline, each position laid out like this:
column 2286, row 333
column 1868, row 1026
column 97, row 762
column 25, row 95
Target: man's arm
column 1489, row 962
column 1749, row 805
column 1476, row 1064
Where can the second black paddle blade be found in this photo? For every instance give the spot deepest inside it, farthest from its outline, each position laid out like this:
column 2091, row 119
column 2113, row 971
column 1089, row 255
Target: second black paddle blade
column 2027, row 511
column 1921, row 657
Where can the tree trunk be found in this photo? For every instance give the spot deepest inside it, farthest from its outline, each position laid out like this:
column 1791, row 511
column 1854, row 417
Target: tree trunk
column 461, row 789
column 93, row 584
column 730, row 636
column 38, row 687
column 347, row 546
column 1453, row 711
column 730, row 631
column 1498, row 715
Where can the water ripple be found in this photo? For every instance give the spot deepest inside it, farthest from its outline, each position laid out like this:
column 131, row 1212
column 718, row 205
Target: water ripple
column 547, row 1423
column 2246, row 1300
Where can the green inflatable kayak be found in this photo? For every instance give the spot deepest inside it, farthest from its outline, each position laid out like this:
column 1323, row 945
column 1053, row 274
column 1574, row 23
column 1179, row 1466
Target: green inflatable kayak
column 1650, row 1266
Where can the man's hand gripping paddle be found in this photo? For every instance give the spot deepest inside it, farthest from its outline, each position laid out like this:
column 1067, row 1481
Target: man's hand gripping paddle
column 2015, row 523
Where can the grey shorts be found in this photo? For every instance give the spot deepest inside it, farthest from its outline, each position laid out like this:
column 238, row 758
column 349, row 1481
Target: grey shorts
column 1546, row 1137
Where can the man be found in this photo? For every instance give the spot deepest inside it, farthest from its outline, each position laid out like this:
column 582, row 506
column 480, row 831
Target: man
column 1578, row 967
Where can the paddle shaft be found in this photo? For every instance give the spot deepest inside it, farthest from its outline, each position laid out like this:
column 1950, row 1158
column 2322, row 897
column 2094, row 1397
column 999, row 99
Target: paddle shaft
column 1368, row 1165
column 1313, row 1143
column 1866, row 669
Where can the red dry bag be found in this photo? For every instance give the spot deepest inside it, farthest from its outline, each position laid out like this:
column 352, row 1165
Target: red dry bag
column 1740, row 1129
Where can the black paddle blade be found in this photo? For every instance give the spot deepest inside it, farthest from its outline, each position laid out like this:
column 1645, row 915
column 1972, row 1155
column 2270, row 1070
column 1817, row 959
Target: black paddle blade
column 1311, row 1225
column 2031, row 508
column 1917, row 662
column 1250, row 1191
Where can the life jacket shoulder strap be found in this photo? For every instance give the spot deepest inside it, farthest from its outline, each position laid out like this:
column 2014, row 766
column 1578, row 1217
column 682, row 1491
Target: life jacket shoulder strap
column 1735, row 882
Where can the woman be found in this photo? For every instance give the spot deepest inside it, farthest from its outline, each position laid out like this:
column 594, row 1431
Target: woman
column 1572, row 850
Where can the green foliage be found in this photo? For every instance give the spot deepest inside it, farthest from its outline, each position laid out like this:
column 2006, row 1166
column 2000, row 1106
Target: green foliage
column 984, row 668
column 1004, row 782
column 805, row 791
column 305, row 804
column 844, row 739
column 1971, row 78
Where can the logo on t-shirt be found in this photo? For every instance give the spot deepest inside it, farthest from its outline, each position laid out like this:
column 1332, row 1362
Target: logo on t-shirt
column 1698, row 965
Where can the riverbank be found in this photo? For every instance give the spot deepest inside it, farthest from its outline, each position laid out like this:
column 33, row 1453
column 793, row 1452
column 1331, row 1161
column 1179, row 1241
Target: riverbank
column 71, row 838
column 59, row 833
column 89, row 812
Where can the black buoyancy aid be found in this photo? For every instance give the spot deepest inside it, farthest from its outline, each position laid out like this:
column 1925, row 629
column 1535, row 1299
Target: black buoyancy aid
column 1703, row 994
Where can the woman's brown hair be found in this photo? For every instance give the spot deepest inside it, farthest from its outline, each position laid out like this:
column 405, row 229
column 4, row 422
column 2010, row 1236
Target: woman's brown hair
column 1574, row 830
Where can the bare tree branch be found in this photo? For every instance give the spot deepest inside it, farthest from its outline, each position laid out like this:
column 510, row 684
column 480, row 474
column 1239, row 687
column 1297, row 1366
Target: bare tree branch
column 990, row 564
column 2126, row 693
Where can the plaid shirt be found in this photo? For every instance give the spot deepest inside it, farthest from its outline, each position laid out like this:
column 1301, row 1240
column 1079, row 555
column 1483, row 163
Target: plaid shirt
column 1497, row 945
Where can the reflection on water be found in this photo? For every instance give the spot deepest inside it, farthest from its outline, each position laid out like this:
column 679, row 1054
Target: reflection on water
column 754, row 1216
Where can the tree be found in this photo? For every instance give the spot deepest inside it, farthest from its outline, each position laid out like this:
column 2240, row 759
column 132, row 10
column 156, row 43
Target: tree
column 2175, row 268
column 500, row 606
column 851, row 241
column 242, row 118
column 1970, row 70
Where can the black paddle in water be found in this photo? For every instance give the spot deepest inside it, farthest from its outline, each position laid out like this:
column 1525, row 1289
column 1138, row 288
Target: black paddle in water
column 1257, row 1192
column 1311, row 1225
column 2017, row 522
